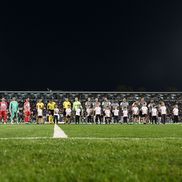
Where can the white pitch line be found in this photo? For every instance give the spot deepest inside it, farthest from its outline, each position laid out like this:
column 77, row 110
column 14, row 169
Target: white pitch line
column 93, row 138
column 25, row 138
column 58, row 132
column 125, row 138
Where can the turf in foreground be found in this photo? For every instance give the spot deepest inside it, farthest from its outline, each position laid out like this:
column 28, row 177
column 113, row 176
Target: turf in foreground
column 90, row 160
column 95, row 160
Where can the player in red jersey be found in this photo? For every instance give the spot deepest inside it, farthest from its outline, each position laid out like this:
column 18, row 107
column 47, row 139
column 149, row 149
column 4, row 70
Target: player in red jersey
column 26, row 110
column 3, row 110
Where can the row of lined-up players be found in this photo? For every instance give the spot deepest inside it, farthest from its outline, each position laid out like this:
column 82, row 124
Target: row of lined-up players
column 107, row 112
column 91, row 111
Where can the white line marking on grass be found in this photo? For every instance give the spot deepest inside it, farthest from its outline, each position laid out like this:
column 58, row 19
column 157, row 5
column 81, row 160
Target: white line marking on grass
column 93, row 138
column 58, row 132
column 25, row 138
column 125, row 138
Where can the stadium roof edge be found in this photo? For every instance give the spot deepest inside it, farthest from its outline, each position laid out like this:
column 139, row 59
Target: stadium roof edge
column 97, row 92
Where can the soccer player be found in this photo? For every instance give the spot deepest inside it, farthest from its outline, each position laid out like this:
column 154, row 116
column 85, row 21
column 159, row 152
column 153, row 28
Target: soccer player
column 114, row 104
column 89, row 115
column 96, row 103
column 77, row 115
column 107, row 112
column 26, row 110
column 66, row 104
column 135, row 112
column 125, row 115
column 13, row 109
column 142, row 102
column 50, row 107
column 124, row 104
column 175, row 114
column 97, row 111
column 88, row 103
column 40, row 107
column 3, row 110
column 150, row 106
column 163, row 111
column 144, row 111
column 106, row 103
column 116, row 115
column 56, row 114
column 68, row 114
column 76, row 104
column 154, row 114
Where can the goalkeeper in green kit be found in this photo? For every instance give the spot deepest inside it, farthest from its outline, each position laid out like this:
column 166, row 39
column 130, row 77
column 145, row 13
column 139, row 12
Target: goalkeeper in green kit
column 13, row 109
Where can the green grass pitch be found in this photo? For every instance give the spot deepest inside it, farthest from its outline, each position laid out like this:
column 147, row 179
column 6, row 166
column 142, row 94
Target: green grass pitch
column 91, row 153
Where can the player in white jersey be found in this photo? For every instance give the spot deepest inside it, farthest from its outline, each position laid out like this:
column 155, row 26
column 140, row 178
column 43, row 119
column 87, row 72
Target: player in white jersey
column 106, row 103
column 116, row 115
column 175, row 114
column 114, row 105
column 96, row 103
column 163, row 111
column 150, row 106
column 144, row 111
column 154, row 114
column 77, row 115
column 107, row 112
column 135, row 113
column 124, row 104
column 56, row 114
column 68, row 113
column 97, row 112
column 88, row 103
column 125, row 115
column 142, row 102
column 40, row 116
column 89, row 115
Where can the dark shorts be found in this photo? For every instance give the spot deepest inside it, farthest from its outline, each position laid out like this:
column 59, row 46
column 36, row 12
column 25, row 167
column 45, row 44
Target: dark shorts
column 144, row 115
column 135, row 115
column 51, row 112
column 108, row 118
column 140, row 113
column 64, row 112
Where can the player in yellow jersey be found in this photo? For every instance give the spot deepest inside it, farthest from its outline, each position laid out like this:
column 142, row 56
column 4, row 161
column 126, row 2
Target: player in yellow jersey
column 66, row 105
column 40, row 107
column 50, row 107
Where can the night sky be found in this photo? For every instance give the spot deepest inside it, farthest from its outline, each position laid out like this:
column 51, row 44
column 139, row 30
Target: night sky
column 91, row 45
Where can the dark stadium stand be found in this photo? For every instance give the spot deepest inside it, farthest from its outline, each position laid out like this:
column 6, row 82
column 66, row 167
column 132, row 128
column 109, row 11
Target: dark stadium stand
column 60, row 95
